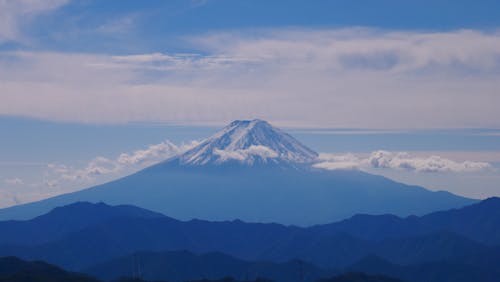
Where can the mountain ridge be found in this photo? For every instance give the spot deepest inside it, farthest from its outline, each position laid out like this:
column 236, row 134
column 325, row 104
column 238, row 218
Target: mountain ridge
column 324, row 247
column 63, row 220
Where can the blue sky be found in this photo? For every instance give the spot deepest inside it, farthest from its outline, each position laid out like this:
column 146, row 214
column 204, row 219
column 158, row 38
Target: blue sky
column 84, row 81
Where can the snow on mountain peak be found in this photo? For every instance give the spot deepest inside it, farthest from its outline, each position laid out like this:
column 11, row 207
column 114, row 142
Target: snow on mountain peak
column 248, row 142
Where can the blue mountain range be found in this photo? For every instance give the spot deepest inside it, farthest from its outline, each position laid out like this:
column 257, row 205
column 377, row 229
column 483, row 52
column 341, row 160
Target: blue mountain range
column 108, row 241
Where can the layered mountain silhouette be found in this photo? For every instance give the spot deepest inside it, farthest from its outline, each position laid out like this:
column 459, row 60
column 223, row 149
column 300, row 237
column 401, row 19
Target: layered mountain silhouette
column 432, row 246
column 177, row 266
column 359, row 277
column 62, row 221
column 13, row 269
column 483, row 267
column 254, row 172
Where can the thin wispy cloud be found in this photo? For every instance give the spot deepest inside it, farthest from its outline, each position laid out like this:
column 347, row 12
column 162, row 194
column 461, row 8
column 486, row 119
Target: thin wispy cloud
column 99, row 167
column 364, row 48
column 60, row 178
column 15, row 13
column 296, row 78
column 399, row 161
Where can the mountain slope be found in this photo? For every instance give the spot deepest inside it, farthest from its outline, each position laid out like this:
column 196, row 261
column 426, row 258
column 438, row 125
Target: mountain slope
column 285, row 196
column 253, row 172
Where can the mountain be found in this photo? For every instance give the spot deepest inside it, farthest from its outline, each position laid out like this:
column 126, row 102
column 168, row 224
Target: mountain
column 478, row 222
column 249, row 142
column 455, row 270
column 180, row 266
column 327, row 246
column 254, row 172
column 62, row 221
column 15, row 270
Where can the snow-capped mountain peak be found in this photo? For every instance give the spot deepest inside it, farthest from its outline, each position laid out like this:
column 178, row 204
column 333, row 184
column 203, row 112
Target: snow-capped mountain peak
column 249, row 142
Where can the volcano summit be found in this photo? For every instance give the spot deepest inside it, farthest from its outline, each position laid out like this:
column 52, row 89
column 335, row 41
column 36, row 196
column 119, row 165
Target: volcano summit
column 249, row 142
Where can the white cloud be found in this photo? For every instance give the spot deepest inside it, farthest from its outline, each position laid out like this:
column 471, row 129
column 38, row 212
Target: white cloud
column 123, row 164
column 246, row 154
column 362, row 48
column 398, row 161
column 13, row 13
column 225, row 155
column 177, row 62
column 338, row 161
column 144, row 58
column 96, row 167
column 261, row 151
column 154, row 152
column 356, row 78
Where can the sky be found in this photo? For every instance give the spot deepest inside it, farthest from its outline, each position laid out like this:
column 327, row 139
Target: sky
column 91, row 90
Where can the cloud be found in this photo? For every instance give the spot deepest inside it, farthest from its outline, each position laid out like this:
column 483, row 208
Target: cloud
column 334, row 161
column 404, row 161
column 57, row 178
column 154, row 152
column 229, row 155
column 96, row 167
column 261, row 151
column 13, row 13
column 123, row 164
column 399, row 161
column 246, row 154
column 187, row 63
column 355, row 78
column 362, row 49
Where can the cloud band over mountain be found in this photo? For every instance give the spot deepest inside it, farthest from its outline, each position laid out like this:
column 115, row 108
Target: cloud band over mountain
column 399, row 161
column 155, row 153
